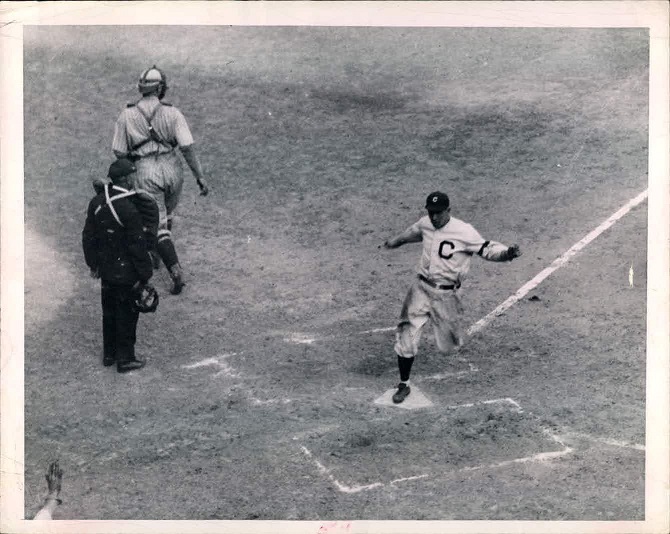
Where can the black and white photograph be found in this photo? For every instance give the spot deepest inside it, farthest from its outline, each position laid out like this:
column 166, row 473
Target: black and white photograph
column 347, row 266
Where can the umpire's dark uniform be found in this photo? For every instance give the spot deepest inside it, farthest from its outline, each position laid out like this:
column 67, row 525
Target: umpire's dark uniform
column 116, row 250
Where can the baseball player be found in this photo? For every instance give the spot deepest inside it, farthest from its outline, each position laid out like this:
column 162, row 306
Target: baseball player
column 148, row 132
column 448, row 247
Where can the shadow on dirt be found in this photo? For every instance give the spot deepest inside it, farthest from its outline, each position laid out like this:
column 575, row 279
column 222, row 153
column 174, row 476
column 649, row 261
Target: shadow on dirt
column 343, row 102
column 491, row 133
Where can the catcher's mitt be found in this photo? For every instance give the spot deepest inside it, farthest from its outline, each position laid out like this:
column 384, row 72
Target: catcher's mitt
column 146, row 299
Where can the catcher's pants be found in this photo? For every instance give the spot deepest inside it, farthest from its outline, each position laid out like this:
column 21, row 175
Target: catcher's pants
column 423, row 303
column 162, row 176
column 119, row 321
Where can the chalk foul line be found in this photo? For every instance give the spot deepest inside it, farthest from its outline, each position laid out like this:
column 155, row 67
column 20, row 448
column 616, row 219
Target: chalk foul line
column 515, row 405
column 558, row 263
column 606, row 441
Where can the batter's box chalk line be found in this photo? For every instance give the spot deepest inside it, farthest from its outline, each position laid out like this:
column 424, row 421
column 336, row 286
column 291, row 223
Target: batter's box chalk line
column 442, row 376
column 514, row 406
column 222, row 367
column 218, row 362
column 296, row 338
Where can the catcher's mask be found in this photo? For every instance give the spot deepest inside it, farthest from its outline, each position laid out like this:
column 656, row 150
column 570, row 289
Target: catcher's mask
column 153, row 80
column 146, row 300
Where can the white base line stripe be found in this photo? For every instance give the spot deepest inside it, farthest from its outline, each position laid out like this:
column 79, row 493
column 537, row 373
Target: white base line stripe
column 607, row 441
column 557, row 263
column 541, row 457
column 442, row 376
column 417, row 477
column 508, row 400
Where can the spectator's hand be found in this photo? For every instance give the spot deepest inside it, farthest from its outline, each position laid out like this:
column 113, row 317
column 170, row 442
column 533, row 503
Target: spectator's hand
column 54, row 478
column 95, row 273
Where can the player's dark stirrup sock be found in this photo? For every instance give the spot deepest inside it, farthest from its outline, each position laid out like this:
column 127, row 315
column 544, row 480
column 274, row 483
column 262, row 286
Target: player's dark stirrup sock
column 167, row 252
column 405, row 366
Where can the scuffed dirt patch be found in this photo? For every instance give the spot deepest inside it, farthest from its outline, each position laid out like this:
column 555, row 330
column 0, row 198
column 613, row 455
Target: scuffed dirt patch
column 430, row 443
column 49, row 282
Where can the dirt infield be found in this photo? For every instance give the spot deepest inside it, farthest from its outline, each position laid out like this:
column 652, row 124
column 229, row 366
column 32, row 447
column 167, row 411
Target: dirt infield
column 257, row 401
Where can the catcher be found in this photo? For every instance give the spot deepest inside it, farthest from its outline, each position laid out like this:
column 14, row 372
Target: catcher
column 448, row 247
column 148, row 132
column 116, row 251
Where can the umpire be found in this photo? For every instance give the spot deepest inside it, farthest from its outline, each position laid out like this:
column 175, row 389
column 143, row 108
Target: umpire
column 116, row 251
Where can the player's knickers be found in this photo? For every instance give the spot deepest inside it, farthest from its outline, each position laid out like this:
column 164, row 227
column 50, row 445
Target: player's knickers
column 423, row 303
column 163, row 177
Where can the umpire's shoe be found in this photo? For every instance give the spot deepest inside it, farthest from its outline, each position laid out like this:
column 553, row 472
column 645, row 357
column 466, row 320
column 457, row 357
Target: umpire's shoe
column 132, row 365
column 401, row 394
column 108, row 361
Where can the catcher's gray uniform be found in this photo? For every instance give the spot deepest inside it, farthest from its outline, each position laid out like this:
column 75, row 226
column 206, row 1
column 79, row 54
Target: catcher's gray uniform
column 148, row 133
column 159, row 168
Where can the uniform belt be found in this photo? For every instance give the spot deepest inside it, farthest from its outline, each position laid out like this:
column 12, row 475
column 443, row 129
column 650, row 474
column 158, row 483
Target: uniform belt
column 135, row 157
column 437, row 286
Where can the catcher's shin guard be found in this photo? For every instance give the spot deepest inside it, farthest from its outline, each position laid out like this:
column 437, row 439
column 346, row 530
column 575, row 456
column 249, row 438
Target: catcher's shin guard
column 166, row 249
column 169, row 256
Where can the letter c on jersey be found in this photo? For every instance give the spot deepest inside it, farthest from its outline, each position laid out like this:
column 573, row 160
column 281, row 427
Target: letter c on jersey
column 440, row 250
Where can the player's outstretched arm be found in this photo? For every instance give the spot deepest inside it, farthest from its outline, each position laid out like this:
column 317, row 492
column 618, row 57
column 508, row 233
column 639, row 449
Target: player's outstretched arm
column 411, row 235
column 194, row 164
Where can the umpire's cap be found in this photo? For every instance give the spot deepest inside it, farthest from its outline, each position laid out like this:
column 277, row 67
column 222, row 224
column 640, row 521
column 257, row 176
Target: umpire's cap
column 120, row 168
column 437, row 201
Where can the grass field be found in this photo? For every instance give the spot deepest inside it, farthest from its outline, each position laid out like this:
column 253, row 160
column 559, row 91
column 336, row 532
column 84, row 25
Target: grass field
column 257, row 401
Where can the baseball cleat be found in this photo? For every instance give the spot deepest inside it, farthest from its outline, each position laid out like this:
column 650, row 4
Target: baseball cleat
column 401, row 394
column 177, row 287
column 177, row 276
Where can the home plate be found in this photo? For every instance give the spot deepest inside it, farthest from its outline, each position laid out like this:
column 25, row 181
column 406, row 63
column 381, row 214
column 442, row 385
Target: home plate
column 416, row 399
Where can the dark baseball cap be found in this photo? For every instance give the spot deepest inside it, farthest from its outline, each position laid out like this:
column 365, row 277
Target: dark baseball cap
column 437, row 201
column 120, row 168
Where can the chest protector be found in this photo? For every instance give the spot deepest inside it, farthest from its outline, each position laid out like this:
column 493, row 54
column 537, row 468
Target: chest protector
column 109, row 202
column 153, row 134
